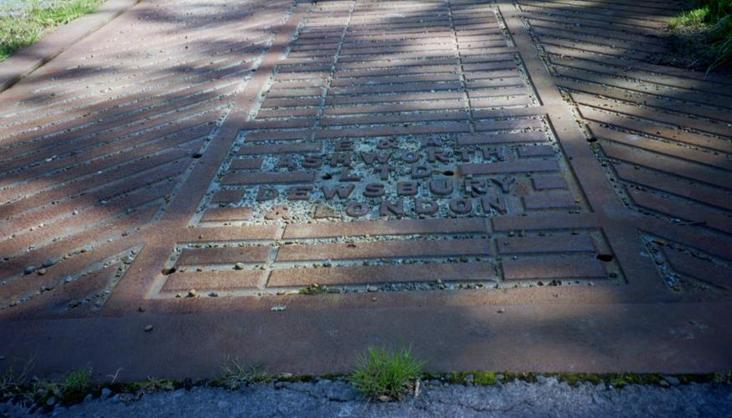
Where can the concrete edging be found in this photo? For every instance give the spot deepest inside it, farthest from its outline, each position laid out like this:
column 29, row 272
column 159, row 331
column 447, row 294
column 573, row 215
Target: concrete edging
column 32, row 57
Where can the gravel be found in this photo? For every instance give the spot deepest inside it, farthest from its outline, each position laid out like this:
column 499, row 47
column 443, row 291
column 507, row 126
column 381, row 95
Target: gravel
column 326, row 398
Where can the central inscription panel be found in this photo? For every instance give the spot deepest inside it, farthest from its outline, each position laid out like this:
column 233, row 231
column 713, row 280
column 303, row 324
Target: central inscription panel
column 409, row 175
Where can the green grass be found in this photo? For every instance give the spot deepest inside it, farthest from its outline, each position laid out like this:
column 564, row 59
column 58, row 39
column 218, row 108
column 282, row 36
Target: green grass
column 13, row 382
column 17, row 32
column 475, row 377
column 236, row 376
column 709, row 26
column 386, row 375
column 70, row 390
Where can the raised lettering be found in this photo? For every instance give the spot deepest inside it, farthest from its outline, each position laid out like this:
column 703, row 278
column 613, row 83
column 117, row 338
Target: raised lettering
column 348, row 175
column 475, row 187
column 312, row 161
column 425, row 207
column 357, row 209
column 421, row 171
column 494, row 201
column 441, row 187
column 299, row 193
column 407, row 188
column 340, row 159
column 504, row 183
column 388, row 208
column 434, row 155
column 373, row 157
column 344, row 145
column 461, row 206
column 343, row 191
column 374, row 190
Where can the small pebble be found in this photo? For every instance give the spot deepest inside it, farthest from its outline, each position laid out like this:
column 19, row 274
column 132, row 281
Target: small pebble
column 148, row 328
column 672, row 380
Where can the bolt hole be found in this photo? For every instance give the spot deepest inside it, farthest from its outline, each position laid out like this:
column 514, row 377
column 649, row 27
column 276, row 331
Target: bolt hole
column 605, row 257
column 448, row 173
column 197, row 155
column 327, row 176
column 168, row 271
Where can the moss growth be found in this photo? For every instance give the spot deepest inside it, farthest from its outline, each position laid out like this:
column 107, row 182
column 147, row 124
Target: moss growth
column 624, row 379
column 526, row 377
column 573, row 379
column 485, row 378
column 476, row 377
column 381, row 375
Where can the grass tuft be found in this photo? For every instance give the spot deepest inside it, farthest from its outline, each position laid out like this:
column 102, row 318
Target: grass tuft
column 69, row 390
column 706, row 31
column 76, row 385
column 20, row 30
column 13, row 382
column 694, row 18
column 237, row 376
column 386, row 375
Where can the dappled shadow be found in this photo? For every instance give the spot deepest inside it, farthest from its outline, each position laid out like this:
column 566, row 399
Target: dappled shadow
column 98, row 143
column 95, row 143
column 316, row 336
column 663, row 132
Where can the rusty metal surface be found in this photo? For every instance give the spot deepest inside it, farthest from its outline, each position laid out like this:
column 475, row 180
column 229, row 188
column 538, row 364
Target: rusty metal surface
column 376, row 160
